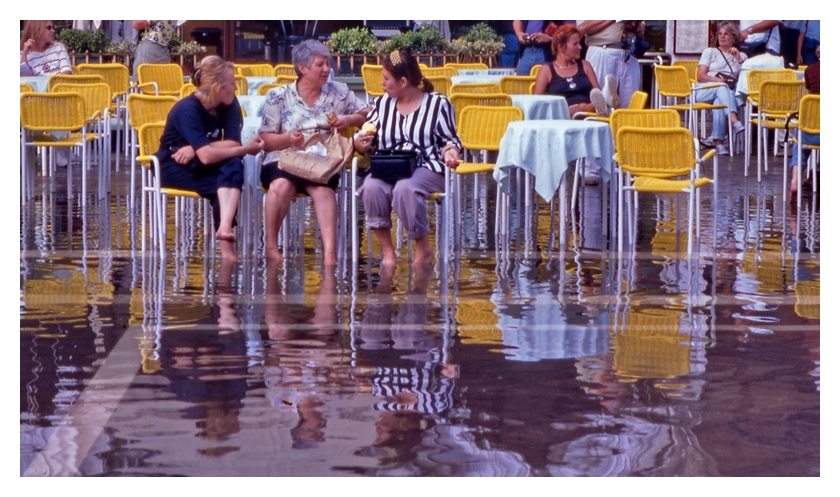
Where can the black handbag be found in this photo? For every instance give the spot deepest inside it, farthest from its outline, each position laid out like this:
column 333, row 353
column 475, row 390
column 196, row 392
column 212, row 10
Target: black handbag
column 392, row 165
column 727, row 78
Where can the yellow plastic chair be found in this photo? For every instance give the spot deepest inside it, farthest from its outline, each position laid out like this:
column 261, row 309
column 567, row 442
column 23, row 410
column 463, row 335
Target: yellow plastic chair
column 241, row 85
column 74, row 79
column 637, row 102
column 754, row 79
column 653, row 157
column 285, row 79
column 690, row 67
column 777, row 101
column 145, row 109
column 265, row 88
column 259, row 70
column 472, row 65
column 462, row 100
column 481, row 130
column 117, row 77
column 285, row 70
column 517, row 85
column 643, row 118
column 372, row 78
column 673, row 82
column 535, row 70
column 187, row 90
column 808, row 122
column 160, row 79
column 430, row 72
column 41, row 113
column 476, row 88
column 442, row 84
column 26, row 88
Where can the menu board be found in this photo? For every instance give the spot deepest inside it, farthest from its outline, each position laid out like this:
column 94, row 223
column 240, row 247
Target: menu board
column 690, row 37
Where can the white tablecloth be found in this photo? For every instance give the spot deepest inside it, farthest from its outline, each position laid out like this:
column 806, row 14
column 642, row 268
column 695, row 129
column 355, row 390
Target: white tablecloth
column 253, row 104
column 254, row 83
column 477, row 78
column 39, row 83
column 545, row 149
column 486, row 72
column 541, row 106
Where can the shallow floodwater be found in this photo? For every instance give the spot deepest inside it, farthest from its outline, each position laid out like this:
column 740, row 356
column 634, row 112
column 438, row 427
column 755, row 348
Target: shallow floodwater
column 520, row 358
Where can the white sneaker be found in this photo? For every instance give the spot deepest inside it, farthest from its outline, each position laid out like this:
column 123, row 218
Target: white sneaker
column 721, row 150
column 611, row 91
column 597, row 99
column 707, row 142
column 738, row 128
column 61, row 157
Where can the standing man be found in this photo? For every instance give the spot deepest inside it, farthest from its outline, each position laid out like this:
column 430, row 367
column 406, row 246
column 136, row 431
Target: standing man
column 534, row 45
column 617, row 70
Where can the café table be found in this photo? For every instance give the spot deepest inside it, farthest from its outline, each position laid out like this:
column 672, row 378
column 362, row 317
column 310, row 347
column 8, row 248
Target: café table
column 487, row 72
column 254, row 82
column 476, row 78
column 537, row 107
column 38, row 83
column 253, row 104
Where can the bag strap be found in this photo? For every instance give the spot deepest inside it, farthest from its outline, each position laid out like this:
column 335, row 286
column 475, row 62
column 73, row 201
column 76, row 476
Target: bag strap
column 727, row 62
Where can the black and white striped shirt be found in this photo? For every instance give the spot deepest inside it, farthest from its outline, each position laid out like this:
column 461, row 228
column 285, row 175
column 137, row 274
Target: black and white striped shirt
column 431, row 127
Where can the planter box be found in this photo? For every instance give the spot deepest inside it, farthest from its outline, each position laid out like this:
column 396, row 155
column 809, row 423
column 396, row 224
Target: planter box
column 99, row 58
column 351, row 64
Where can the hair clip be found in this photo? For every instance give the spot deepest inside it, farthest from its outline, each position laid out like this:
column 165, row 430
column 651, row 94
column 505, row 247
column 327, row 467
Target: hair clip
column 395, row 57
column 197, row 77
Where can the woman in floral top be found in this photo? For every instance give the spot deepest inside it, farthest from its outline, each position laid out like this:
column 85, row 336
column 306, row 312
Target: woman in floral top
column 154, row 47
column 291, row 114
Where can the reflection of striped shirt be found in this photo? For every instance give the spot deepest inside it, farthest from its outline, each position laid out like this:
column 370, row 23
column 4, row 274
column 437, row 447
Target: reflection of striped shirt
column 55, row 60
column 434, row 391
column 431, row 127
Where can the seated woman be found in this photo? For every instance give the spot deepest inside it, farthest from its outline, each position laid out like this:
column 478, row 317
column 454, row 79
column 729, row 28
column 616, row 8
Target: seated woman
column 40, row 54
column 201, row 150
column 409, row 114
column 724, row 59
column 569, row 76
column 291, row 114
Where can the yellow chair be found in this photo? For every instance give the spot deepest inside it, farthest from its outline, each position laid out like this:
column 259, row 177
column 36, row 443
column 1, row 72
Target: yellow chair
column 476, row 88
column 462, row 100
column 517, row 85
column 652, row 157
column 637, row 102
column 26, row 87
column 145, row 109
column 777, row 101
column 187, row 90
column 372, row 78
column 472, row 65
column 535, row 70
column 160, row 79
column 808, row 122
column 285, row 70
column 285, row 79
column 481, row 130
column 41, row 113
column 241, row 85
column 74, row 79
column 439, row 71
column 258, row 70
column 690, row 67
column 442, row 84
column 754, row 79
column 643, row 118
column 117, row 77
column 265, row 88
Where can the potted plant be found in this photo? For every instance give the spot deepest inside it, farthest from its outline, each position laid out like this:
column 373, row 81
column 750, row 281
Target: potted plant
column 80, row 43
column 349, row 46
column 480, row 44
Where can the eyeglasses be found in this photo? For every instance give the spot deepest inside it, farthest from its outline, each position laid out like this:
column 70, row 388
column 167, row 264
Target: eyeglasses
column 51, row 28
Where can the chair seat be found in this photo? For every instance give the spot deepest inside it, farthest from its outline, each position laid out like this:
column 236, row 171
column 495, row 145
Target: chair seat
column 474, row 167
column 71, row 140
column 174, row 192
column 698, row 106
column 647, row 184
column 772, row 124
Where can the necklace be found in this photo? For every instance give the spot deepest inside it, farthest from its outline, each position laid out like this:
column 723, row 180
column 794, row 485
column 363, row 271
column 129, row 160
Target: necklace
column 558, row 66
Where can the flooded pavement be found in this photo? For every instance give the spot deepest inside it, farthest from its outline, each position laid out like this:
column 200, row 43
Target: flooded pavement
column 530, row 360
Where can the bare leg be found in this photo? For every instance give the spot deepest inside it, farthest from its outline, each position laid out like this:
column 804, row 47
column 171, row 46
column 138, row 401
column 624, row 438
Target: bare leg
column 228, row 203
column 389, row 255
column 325, row 211
column 794, row 182
column 423, row 253
column 278, row 198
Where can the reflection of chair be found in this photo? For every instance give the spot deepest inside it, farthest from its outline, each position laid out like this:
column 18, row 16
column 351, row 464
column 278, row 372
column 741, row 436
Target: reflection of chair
column 481, row 130
column 160, row 79
column 41, row 113
column 74, row 79
column 145, row 109
column 777, row 100
column 441, row 84
column 517, row 85
column 285, row 70
column 651, row 158
column 472, row 65
column 372, row 78
column 690, row 66
column 241, row 85
column 476, row 88
column 461, row 100
column 808, row 122
column 259, row 70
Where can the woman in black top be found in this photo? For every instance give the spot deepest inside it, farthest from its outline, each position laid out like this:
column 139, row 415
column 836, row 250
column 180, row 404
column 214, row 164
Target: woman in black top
column 569, row 76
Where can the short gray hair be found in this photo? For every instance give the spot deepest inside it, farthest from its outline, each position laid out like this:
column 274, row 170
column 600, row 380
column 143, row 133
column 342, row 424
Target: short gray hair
column 304, row 54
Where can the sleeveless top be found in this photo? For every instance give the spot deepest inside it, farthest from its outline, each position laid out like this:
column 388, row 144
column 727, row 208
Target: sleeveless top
column 576, row 89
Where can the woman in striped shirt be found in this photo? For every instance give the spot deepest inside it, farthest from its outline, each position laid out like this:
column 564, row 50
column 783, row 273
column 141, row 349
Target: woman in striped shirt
column 40, row 54
column 408, row 115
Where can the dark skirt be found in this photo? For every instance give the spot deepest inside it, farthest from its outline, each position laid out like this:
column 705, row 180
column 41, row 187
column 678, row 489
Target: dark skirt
column 270, row 172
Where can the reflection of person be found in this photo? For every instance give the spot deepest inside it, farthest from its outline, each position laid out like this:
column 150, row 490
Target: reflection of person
column 200, row 149
column 290, row 115
column 40, row 54
column 154, row 46
column 724, row 59
column 408, row 114
column 608, row 57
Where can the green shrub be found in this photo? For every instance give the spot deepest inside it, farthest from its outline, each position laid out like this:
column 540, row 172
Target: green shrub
column 351, row 40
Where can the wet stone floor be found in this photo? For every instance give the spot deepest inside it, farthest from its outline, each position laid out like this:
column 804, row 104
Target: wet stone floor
column 521, row 357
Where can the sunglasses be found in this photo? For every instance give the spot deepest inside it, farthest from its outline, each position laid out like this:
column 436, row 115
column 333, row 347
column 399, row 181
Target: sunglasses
column 51, row 28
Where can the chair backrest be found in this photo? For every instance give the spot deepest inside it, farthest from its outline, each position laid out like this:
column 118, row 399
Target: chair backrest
column 672, row 81
column 643, row 118
column 265, row 88
column 658, row 151
column 638, row 100
column 187, row 90
column 148, row 139
column 471, row 65
column 690, row 67
column 54, row 111
column 780, row 97
column 169, row 78
column 757, row 76
column 809, row 114
column 439, row 71
column 26, row 87
column 462, row 100
column 241, row 84
column 535, row 70
column 145, row 109
column 442, row 84
column 476, row 88
column 74, row 79
column 285, row 70
column 372, row 77
column 116, row 75
column 285, row 79
column 261, row 70
column 516, row 85
column 97, row 97
column 482, row 128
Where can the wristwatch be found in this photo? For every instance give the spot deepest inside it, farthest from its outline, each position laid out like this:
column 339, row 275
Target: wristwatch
column 750, row 30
